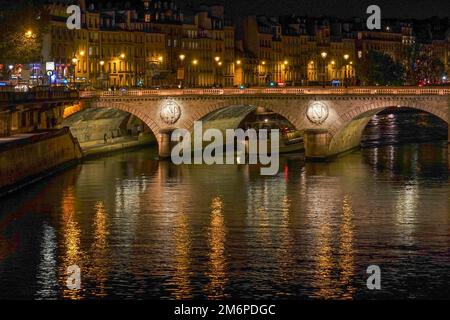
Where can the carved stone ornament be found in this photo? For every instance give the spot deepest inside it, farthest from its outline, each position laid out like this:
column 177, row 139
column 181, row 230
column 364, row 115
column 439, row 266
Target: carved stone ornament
column 318, row 112
column 170, row 112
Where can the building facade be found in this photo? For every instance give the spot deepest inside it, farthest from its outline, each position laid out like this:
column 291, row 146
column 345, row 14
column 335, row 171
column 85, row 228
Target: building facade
column 160, row 44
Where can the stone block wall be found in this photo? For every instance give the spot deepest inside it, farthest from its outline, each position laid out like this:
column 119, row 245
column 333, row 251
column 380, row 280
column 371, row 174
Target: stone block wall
column 30, row 158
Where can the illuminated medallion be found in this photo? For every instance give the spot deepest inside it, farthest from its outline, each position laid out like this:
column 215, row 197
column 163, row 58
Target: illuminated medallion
column 170, row 112
column 317, row 112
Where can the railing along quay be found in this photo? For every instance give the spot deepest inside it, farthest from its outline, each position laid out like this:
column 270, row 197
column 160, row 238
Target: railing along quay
column 10, row 98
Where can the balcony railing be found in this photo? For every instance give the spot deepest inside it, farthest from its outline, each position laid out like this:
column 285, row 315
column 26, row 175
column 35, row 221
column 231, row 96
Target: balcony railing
column 271, row 91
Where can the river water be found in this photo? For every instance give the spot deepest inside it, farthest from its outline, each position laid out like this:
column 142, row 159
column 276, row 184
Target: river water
column 138, row 228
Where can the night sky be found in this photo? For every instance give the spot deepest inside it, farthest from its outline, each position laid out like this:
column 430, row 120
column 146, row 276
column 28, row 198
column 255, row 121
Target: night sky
column 340, row 8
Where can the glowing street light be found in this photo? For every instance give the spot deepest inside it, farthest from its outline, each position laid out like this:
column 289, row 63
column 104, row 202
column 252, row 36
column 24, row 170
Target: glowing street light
column 122, row 55
column 217, row 59
column 74, row 60
column 238, row 62
column 324, row 56
column 182, row 57
column 82, row 53
column 102, row 63
column 346, row 56
column 160, row 59
column 29, row 34
column 263, row 63
column 219, row 63
column 195, row 62
column 286, row 62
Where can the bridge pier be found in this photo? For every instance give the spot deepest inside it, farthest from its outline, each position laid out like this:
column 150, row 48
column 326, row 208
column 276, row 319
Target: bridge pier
column 317, row 142
column 165, row 145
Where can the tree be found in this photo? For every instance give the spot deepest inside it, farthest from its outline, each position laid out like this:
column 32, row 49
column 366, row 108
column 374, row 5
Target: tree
column 422, row 66
column 378, row 68
column 22, row 23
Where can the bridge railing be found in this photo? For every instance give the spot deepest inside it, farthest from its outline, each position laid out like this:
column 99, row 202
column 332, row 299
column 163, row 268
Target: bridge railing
column 7, row 97
column 273, row 91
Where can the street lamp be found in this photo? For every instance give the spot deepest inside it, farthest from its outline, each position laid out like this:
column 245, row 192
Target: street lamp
column 181, row 74
column 260, row 72
column 74, row 63
column 346, row 57
column 102, row 76
column 217, row 59
column 29, row 34
column 324, row 56
column 82, row 53
column 195, row 63
column 122, row 55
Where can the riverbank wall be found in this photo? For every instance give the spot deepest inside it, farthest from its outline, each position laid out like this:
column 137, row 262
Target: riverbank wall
column 100, row 149
column 29, row 158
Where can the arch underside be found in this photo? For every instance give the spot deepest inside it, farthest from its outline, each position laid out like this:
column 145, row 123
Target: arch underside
column 133, row 110
column 242, row 107
column 227, row 118
column 350, row 134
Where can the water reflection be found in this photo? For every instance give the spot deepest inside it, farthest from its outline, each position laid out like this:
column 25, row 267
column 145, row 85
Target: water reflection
column 182, row 259
column 145, row 229
column 347, row 254
column 47, row 278
column 217, row 260
column 71, row 242
column 98, row 269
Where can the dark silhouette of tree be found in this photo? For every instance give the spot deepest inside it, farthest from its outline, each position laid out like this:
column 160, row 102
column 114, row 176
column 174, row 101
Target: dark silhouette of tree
column 378, row 68
column 22, row 24
column 422, row 65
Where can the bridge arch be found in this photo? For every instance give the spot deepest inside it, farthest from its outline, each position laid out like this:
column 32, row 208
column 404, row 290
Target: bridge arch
column 108, row 120
column 346, row 132
column 137, row 112
column 277, row 106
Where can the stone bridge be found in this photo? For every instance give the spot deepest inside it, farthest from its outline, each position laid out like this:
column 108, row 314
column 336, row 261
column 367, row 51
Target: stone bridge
column 332, row 119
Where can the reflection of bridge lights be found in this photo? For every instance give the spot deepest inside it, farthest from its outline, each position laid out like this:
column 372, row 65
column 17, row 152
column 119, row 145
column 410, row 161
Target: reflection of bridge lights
column 217, row 263
column 47, row 276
